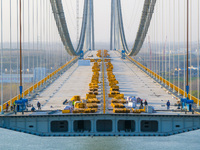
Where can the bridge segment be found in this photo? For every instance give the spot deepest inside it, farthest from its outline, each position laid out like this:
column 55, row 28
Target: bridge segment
column 50, row 121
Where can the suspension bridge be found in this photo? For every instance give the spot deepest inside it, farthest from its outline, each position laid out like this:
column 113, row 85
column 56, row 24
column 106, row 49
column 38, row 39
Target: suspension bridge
column 53, row 86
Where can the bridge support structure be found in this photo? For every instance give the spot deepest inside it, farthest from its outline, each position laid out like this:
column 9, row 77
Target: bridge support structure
column 117, row 28
column 90, row 27
column 101, row 124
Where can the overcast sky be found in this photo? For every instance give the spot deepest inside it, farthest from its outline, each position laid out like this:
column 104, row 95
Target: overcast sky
column 162, row 24
column 163, row 19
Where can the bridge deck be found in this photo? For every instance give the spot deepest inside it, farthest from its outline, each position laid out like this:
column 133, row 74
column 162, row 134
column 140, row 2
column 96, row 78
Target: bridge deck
column 132, row 82
column 73, row 82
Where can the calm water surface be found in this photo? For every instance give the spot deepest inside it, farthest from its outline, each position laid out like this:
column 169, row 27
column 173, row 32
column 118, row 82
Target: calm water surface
column 10, row 140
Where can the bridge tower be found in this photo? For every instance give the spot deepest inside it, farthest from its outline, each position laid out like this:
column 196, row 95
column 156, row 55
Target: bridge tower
column 89, row 42
column 114, row 28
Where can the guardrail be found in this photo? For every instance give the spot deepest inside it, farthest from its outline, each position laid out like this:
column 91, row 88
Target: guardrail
column 182, row 92
column 36, row 85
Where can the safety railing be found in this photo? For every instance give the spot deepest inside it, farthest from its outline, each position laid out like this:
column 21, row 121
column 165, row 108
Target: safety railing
column 38, row 84
column 169, row 84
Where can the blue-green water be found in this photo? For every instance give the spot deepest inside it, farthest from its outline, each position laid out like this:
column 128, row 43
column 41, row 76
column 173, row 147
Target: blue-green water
column 10, row 140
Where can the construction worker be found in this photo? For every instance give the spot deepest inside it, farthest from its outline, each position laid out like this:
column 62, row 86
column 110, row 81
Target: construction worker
column 38, row 105
column 145, row 102
column 73, row 103
column 33, row 109
column 141, row 105
column 7, row 105
column 168, row 104
column 14, row 106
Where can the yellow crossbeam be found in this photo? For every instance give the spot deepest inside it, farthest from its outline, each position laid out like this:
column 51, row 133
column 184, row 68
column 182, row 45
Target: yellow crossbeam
column 103, row 76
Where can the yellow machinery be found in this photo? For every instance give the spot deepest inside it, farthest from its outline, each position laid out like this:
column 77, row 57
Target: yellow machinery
column 119, row 96
column 93, row 100
column 99, row 53
column 114, row 88
column 123, row 101
column 105, row 53
column 121, row 110
column 93, row 85
column 78, row 110
column 95, row 69
column 110, row 76
column 80, row 105
column 113, row 82
column 91, row 91
column 138, row 110
column 113, row 94
column 92, row 60
column 85, row 110
column 107, row 60
column 117, row 105
column 65, row 111
column 76, row 98
column 91, row 105
column 96, row 93
column 89, row 96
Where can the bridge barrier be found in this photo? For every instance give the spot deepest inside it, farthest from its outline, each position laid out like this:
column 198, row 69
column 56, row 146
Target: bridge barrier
column 169, row 84
column 38, row 84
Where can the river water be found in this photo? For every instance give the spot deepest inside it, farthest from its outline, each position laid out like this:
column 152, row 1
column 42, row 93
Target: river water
column 11, row 140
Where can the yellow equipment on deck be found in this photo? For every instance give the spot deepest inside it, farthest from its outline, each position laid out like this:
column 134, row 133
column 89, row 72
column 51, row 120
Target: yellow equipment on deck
column 119, row 96
column 76, row 98
column 65, row 111
column 91, row 105
column 113, row 93
column 117, row 105
column 89, row 96
column 123, row 101
column 138, row 110
column 121, row 110
column 80, row 105
column 85, row 110
column 93, row 100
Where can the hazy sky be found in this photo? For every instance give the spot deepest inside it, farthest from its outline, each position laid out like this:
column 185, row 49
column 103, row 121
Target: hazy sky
column 102, row 12
column 162, row 24
column 165, row 13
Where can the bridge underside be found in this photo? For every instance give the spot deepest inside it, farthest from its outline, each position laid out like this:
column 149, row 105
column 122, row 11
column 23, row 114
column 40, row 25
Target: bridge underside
column 102, row 124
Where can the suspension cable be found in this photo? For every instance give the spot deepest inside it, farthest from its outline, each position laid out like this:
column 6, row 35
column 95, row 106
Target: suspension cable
column 169, row 44
column 198, row 59
column 178, row 45
column 184, row 49
column 190, row 49
column 174, row 49
column 10, row 50
column 1, row 57
column 28, row 70
column 33, row 22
